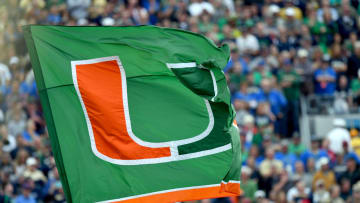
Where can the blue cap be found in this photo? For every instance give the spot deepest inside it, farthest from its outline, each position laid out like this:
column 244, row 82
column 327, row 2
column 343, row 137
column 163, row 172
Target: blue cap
column 352, row 155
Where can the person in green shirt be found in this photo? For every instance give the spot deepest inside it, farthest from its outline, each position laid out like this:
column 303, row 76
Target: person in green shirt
column 260, row 72
column 205, row 25
column 236, row 76
column 248, row 186
column 355, row 88
column 296, row 147
column 355, row 85
column 289, row 80
column 324, row 30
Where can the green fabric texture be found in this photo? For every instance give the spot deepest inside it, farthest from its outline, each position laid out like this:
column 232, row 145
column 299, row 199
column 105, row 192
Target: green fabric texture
column 164, row 105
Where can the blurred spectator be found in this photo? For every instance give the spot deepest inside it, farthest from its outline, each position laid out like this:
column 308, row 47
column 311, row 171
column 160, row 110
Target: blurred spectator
column 282, row 154
column 17, row 124
column 314, row 153
column 270, row 165
column 355, row 141
column 25, row 196
column 280, row 183
column 296, row 147
column 29, row 135
column 325, row 78
column 264, row 121
column 356, row 192
column 290, row 83
column 301, row 174
column 277, row 103
column 335, row 194
column 260, row 196
column 338, row 136
column 298, row 193
column 8, row 140
column 354, row 62
column 52, row 191
column 346, row 189
column 5, row 75
column 330, row 154
column 342, row 98
column 32, row 172
column 355, row 88
column 269, row 169
column 338, row 61
column 320, row 194
column 79, row 8
column 353, row 171
column 324, row 174
column 247, row 43
column 248, row 186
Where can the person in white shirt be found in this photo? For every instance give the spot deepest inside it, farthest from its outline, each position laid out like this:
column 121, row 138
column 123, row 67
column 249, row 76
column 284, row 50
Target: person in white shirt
column 338, row 136
column 78, row 8
column 8, row 140
column 299, row 191
column 5, row 74
column 247, row 43
column 320, row 193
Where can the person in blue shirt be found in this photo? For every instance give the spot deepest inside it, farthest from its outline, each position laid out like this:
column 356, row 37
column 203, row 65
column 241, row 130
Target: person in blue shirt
column 169, row 11
column 277, row 103
column 29, row 134
column 314, row 152
column 325, row 78
column 236, row 58
column 288, row 158
column 273, row 96
column 244, row 95
column 153, row 7
column 25, row 196
column 54, row 16
column 33, row 91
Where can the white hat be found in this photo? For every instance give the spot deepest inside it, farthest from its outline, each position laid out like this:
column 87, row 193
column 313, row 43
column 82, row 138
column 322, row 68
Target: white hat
column 247, row 170
column 248, row 119
column 339, row 122
column 108, row 21
column 290, row 12
column 82, row 21
column 259, row 194
column 322, row 161
column 14, row 60
column 273, row 8
column 31, row 161
column 303, row 53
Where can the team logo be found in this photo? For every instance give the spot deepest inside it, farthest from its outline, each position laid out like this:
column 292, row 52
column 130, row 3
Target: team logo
column 102, row 90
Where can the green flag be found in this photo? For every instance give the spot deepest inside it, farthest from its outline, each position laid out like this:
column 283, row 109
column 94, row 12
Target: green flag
column 136, row 114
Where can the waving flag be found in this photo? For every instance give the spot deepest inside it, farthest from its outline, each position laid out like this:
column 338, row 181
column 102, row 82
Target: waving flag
column 136, row 114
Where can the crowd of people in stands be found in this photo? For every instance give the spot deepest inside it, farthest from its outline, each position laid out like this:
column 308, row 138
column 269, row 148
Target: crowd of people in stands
column 281, row 51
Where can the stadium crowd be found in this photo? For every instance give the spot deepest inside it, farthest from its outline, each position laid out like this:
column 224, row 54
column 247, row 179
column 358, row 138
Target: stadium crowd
column 280, row 51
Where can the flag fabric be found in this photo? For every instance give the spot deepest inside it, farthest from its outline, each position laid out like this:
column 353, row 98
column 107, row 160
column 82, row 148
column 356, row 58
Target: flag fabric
column 136, row 114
